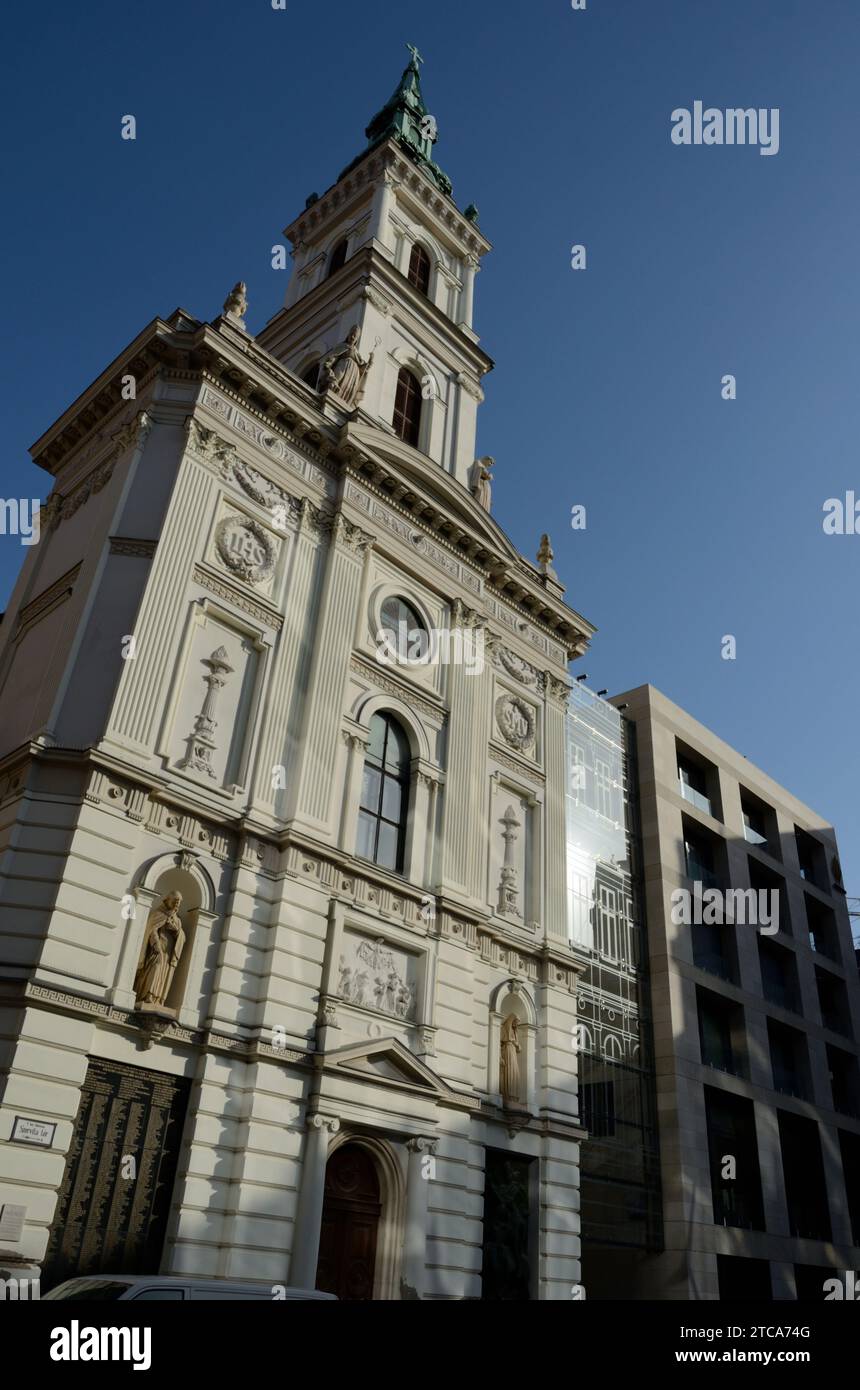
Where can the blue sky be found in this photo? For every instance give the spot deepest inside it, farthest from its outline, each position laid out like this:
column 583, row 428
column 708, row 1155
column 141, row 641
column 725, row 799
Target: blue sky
column 704, row 516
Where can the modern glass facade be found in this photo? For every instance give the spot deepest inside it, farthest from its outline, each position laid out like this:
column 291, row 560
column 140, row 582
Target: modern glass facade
column 620, row 1173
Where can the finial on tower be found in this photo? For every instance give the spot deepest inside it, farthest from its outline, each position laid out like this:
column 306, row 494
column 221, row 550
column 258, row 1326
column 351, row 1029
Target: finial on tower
column 416, row 56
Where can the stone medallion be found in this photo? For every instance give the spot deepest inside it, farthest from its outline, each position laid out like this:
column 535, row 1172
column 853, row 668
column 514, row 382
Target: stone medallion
column 516, row 722
column 245, row 548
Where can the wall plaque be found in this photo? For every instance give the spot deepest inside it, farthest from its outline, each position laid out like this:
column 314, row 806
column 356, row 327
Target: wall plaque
column 26, row 1131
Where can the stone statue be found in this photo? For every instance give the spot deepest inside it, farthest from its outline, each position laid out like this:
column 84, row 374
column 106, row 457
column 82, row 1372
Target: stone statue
column 545, row 557
column 164, row 942
column 236, row 303
column 480, row 479
column 509, row 1062
column 345, row 370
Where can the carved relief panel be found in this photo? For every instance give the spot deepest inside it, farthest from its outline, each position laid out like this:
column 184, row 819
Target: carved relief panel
column 374, row 974
column 211, row 720
column 512, row 843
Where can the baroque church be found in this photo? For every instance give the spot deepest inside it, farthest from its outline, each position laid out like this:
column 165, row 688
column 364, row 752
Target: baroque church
column 287, row 992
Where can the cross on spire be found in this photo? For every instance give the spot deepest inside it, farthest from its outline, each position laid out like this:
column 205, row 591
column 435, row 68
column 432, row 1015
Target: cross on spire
column 416, row 56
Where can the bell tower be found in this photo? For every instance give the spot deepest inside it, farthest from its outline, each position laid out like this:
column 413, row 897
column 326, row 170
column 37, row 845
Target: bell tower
column 378, row 312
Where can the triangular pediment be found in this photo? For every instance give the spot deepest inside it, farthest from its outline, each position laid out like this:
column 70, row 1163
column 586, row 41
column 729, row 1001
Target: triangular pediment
column 453, row 499
column 389, row 1062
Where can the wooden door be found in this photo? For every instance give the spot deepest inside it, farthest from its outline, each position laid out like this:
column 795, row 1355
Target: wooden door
column 350, row 1222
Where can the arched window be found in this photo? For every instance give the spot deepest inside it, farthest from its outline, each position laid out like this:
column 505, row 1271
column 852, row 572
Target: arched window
column 407, row 407
column 384, row 795
column 338, row 256
column 419, row 269
column 311, row 375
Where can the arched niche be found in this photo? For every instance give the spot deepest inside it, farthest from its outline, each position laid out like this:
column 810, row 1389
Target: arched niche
column 512, row 999
column 168, row 873
column 392, row 1186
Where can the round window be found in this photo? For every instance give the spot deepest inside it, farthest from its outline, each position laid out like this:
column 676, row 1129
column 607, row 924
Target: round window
column 405, row 631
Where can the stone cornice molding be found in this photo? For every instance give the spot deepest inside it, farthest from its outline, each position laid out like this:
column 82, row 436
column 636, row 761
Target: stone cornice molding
column 388, row 162
column 60, row 506
column 45, row 602
column 137, row 549
column 221, row 587
column 203, row 1039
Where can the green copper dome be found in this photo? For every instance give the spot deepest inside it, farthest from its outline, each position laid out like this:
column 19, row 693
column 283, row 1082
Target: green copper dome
column 405, row 118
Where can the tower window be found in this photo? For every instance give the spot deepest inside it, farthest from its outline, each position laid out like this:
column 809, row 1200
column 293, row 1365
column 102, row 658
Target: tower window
column 384, row 795
column 419, row 269
column 311, row 375
column 407, row 407
column 338, row 256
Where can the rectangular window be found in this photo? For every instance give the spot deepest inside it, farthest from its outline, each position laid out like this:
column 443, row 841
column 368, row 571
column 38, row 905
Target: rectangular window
column 603, row 788
column 720, row 1022
column 803, row 1173
column 823, row 935
column 764, row 880
column 844, row 1081
column 577, row 773
column 778, row 975
column 699, row 859
column 789, row 1060
column 607, row 921
column 597, row 1108
column 754, row 828
column 849, row 1145
column 694, row 785
column 735, row 1186
column 833, row 1002
column 812, row 859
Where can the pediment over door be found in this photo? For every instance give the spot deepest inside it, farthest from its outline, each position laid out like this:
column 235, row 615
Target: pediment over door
column 388, row 1062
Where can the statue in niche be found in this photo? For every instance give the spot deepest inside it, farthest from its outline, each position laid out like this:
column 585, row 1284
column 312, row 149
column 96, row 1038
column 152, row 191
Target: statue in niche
column 344, row 371
column 165, row 939
column 480, row 480
column 509, row 1061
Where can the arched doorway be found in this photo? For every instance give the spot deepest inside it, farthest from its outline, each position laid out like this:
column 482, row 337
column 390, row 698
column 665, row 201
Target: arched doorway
column 350, row 1222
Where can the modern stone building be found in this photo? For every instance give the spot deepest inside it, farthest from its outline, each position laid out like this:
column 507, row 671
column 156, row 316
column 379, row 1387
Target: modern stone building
column 756, row 1024
column 286, row 988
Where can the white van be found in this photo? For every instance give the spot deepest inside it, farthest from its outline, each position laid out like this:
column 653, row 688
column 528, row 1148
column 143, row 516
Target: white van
column 172, row 1289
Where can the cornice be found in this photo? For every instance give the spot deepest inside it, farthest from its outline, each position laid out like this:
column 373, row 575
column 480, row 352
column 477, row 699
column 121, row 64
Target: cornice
column 66, row 1001
column 388, row 680
column 157, row 346
column 389, row 161
column 45, row 602
column 383, row 480
column 232, row 366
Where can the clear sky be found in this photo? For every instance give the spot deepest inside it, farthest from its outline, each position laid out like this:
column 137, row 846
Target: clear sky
column 704, row 516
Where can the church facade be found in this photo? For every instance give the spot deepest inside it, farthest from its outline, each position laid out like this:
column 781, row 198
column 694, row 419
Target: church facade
column 287, row 992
